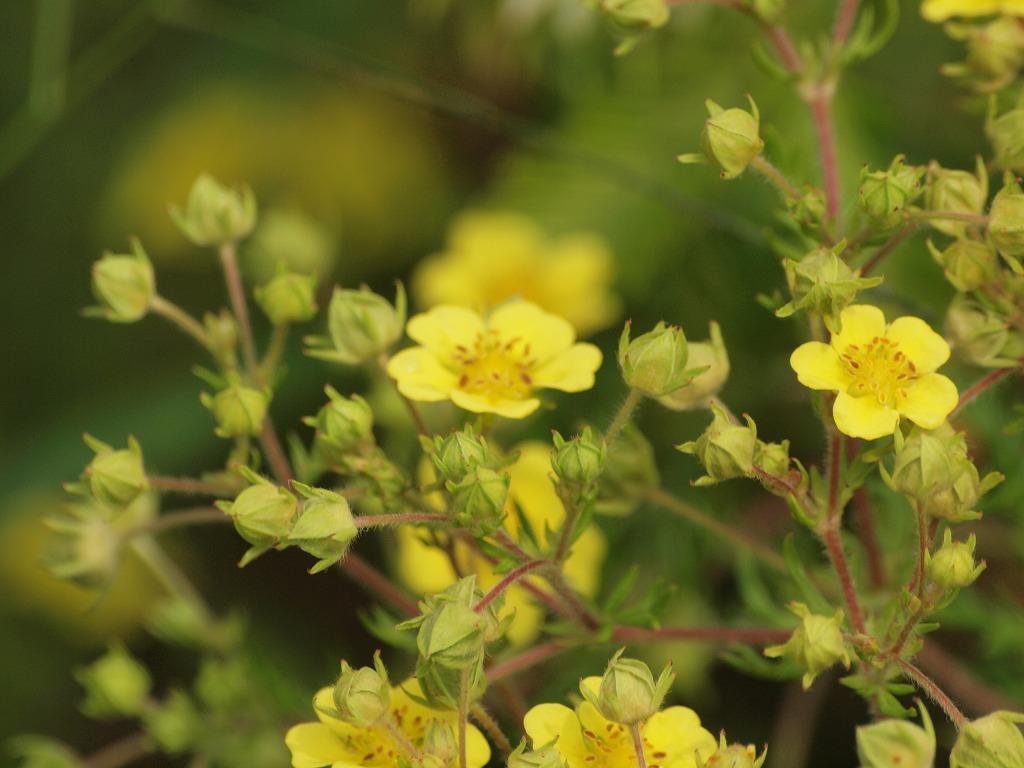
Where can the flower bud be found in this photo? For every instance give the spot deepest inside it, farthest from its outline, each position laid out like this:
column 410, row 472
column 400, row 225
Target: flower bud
column 1005, row 133
column 816, row 644
column 324, row 526
column 993, row 741
column 884, row 195
column 85, row 546
column 289, row 297
column 982, row 336
column 175, row 725
column 628, row 693
column 953, row 566
column 822, row 283
column 181, row 622
column 725, row 449
column 439, row 747
column 735, row 755
column 459, row 453
column 629, row 471
column 216, row 214
column 480, row 500
column 123, row 285
column 115, row 478
column 238, row 410
column 631, row 18
column 995, row 52
column 222, row 333
column 442, row 686
column 897, row 742
column 362, row 696
column 1006, row 223
column 809, row 210
column 342, row 426
column 655, row 362
column 546, row 756
column 710, row 355
column 967, row 264
column 578, row 461
column 263, row 515
column 361, row 326
column 40, row 752
column 115, row 685
column 731, row 138
column 956, row 191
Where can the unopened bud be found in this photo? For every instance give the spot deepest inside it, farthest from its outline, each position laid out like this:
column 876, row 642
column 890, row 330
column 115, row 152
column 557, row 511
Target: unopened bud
column 238, row 410
column 263, row 515
column 362, row 697
column 816, row 644
column 655, row 362
column 956, row 192
column 580, row 460
column 1005, row 133
column 632, row 18
column 993, row 741
column 725, row 449
column 546, row 756
column 731, row 138
column 342, row 426
column 116, row 685
column 981, row 336
column 216, row 214
column 479, row 499
column 115, row 478
column 1006, row 223
column 711, row 355
column 995, row 52
column 735, row 755
column 324, row 526
column 123, row 285
column 885, row 195
column 459, row 453
column 628, row 693
column 41, row 752
column 953, row 566
column 289, row 297
column 967, row 264
column 897, row 742
column 361, row 325
column 822, row 283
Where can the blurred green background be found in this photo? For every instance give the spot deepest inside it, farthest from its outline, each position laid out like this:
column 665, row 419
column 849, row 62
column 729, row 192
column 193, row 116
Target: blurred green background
column 375, row 122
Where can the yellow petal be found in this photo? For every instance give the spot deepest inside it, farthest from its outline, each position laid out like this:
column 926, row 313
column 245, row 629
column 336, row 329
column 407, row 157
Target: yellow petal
column 676, row 736
column 940, row 10
column 478, row 751
column 583, row 566
column 818, row 366
column 547, row 335
column 445, row 328
column 861, row 323
column 313, row 745
column 546, row 722
column 420, row 376
column 863, row 417
column 531, row 487
column 571, row 371
column 421, row 567
column 926, row 349
column 929, row 400
column 510, row 409
column 529, row 616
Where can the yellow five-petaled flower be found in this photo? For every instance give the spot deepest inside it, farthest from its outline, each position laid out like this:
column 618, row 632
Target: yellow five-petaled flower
column 492, row 364
column 880, row 372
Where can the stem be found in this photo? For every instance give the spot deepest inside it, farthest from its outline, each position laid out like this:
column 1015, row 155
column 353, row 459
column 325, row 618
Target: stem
column 191, row 485
column 525, row 660
column 280, row 467
column 182, row 519
column 236, row 292
column 922, row 549
column 372, row 580
column 885, row 249
column 818, row 97
column 845, row 17
column 628, row 634
column 399, row 736
column 491, row 726
column 275, row 349
column 980, row 386
column 167, row 572
column 581, row 613
column 936, row 694
column 951, row 673
column 622, row 417
column 865, row 521
column 784, row 47
column 463, row 718
column 836, row 555
column 835, row 461
column 121, row 752
column 702, row 519
column 904, row 635
column 776, row 177
column 179, row 317
column 507, row 580
column 971, row 218
column 638, row 745
column 381, row 521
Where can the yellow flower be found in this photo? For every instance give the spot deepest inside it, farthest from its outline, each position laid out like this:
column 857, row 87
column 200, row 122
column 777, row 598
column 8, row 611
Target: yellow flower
column 427, row 569
column 493, row 257
column 880, row 373
column 492, row 364
column 336, row 743
column 940, row 10
column 673, row 737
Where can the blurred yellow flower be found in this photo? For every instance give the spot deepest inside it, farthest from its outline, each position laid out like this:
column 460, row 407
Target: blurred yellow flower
column 336, row 743
column 426, row 568
column 492, row 364
column 880, row 373
column 673, row 737
column 940, row 10
column 493, row 257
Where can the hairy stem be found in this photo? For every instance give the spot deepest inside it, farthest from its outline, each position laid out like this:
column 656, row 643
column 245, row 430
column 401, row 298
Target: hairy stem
column 529, row 658
column 508, row 580
column 929, row 688
column 372, row 580
column 981, row 385
column 638, row 745
column 622, row 417
column 179, row 317
column 121, row 752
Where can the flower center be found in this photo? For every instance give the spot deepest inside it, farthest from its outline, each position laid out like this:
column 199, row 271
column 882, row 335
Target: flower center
column 878, row 368
column 495, row 369
column 613, row 748
column 378, row 747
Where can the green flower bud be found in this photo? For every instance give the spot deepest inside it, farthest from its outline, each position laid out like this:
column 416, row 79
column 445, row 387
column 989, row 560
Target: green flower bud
column 115, row 478
column 578, row 461
column 710, row 355
column 182, row 622
column 361, row 326
column 263, row 514
column 1006, row 223
column 41, row 752
column 1006, row 134
column 981, row 336
column 176, row 725
column 769, row 11
column 363, row 696
column 439, row 744
column 115, row 685
column 480, row 500
column 628, row 693
column 884, row 195
column 993, row 741
column 459, row 453
column 216, row 214
column 809, row 210
column 822, row 283
column 442, row 685
column 289, row 297
column 631, row 18
column 725, row 449
column 955, row 191
column 629, row 472
column 967, row 264
column 123, row 285
column 655, row 362
column 324, row 526
column 953, row 566
column 897, row 742
column 735, row 755
column 816, row 644
column 238, row 410
column 546, row 756
column 731, row 138
column 343, row 426
column 290, row 237
column 995, row 52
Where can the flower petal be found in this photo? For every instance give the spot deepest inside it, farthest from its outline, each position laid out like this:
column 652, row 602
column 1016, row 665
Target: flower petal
column 926, row 349
column 861, row 323
column 677, row 733
column 546, row 722
column 818, row 366
column 863, row 417
column 420, row 376
column 547, row 335
column 929, row 400
column 510, row 409
column 444, row 329
column 313, row 745
column 478, row 751
column 423, row 568
column 571, row 371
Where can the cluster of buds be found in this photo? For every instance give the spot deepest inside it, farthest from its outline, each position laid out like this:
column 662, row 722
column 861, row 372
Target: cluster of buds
column 361, row 326
column 731, row 138
column 451, row 639
column 816, row 644
column 885, row 195
column 124, row 285
column 216, row 214
column 628, row 693
column 822, row 283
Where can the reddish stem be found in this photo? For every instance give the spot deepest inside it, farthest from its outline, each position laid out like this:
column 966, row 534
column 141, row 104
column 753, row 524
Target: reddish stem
column 819, row 100
column 525, row 660
column 625, row 634
column 508, row 580
column 374, row 521
column 836, row 555
column 865, row 519
column 844, row 23
column 981, row 385
column 936, row 694
column 372, row 580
